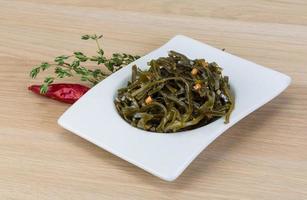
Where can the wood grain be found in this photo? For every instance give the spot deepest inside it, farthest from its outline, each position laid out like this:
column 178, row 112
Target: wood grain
column 262, row 157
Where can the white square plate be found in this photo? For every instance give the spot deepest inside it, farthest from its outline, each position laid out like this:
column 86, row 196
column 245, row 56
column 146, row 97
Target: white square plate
column 94, row 116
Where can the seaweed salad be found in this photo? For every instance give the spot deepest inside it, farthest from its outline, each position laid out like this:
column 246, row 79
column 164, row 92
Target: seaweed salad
column 175, row 94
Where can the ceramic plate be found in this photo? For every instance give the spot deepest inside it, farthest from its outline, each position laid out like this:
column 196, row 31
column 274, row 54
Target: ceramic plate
column 95, row 118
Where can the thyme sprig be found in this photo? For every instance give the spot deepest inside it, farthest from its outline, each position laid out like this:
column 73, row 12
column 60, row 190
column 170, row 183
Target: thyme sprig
column 65, row 66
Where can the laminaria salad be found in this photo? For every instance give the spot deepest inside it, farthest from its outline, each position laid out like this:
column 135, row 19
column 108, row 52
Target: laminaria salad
column 175, row 94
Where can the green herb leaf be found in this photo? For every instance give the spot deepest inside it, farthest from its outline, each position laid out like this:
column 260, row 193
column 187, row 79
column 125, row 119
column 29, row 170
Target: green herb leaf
column 44, row 65
column 101, row 60
column 62, row 57
column 84, row 78
column 34, row 72
column 61, row 73
column 94, row 37
column 110, row 65
column 100, row 52
column 44, row 87
column 85, row 37
column 75, row 64
column 78, row 53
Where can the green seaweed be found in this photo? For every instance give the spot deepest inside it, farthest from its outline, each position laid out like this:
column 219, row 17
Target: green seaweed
column 175, row 94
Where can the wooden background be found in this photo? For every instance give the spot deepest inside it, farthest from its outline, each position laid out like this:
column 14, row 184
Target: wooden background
column 262, row 157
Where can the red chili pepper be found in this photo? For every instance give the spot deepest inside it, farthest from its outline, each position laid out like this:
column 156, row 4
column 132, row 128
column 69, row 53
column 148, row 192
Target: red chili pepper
column 64, row 92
